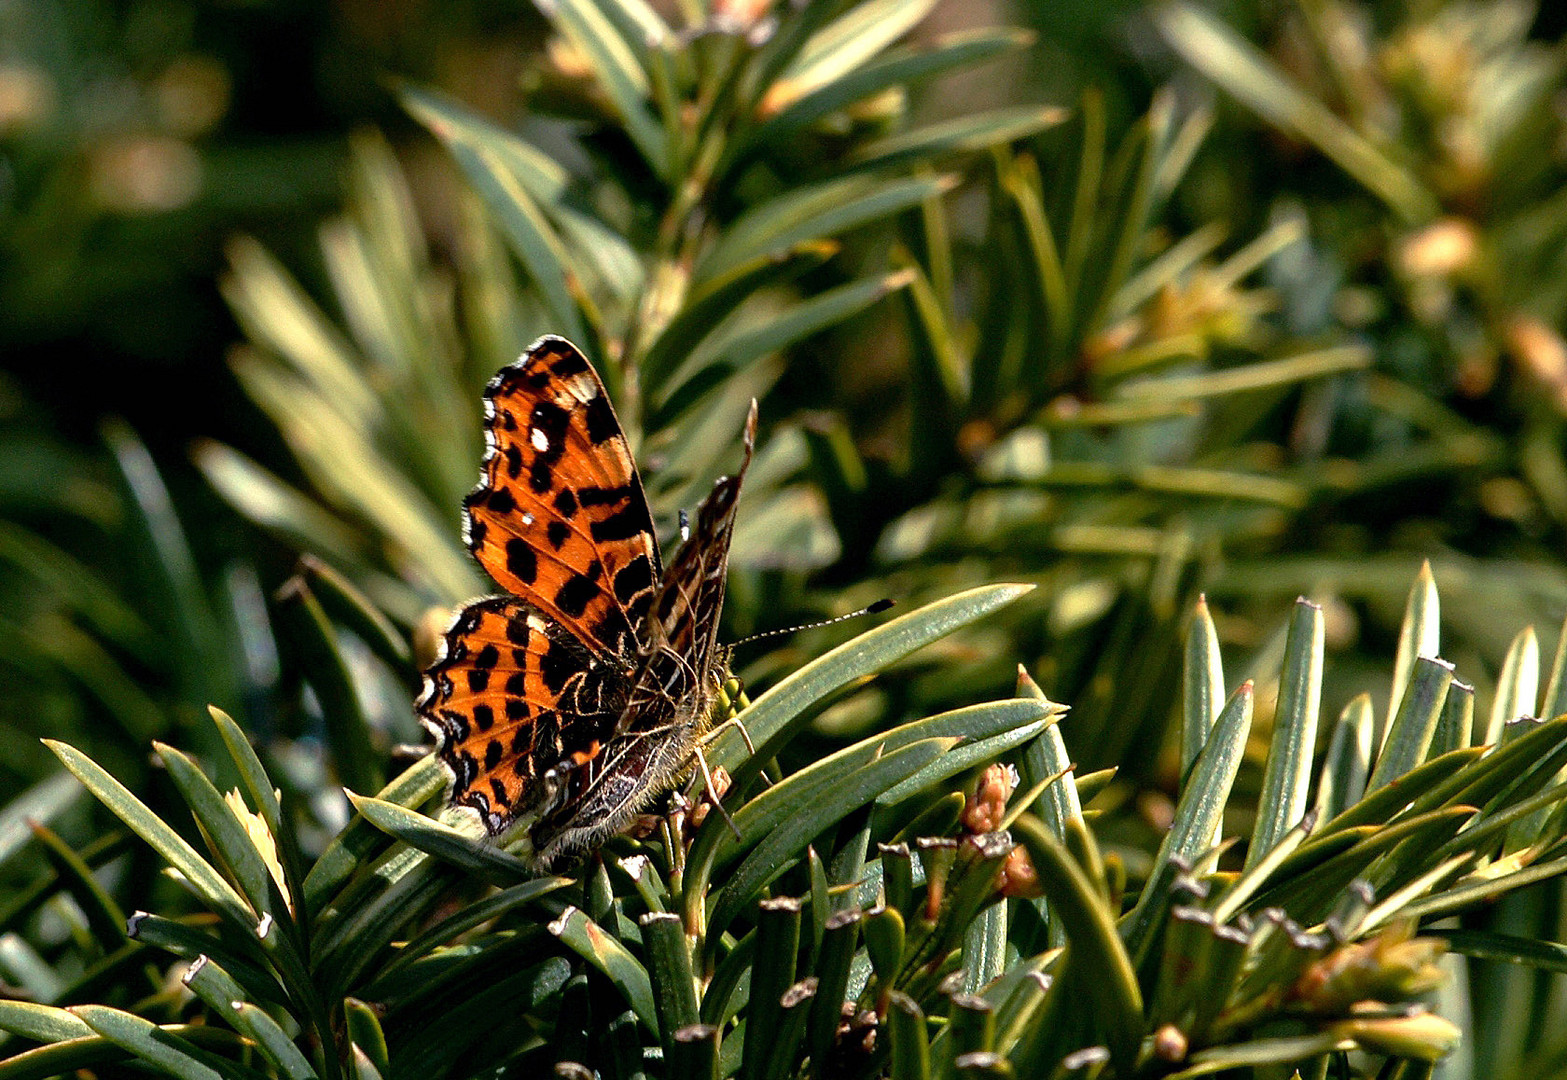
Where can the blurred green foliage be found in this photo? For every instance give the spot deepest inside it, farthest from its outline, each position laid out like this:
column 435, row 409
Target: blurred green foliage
column 1254, row 303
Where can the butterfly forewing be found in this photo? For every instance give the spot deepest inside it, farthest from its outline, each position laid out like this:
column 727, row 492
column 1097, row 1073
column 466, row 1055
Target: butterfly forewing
column 683, row 627
column 559, row 517
column 515, row 695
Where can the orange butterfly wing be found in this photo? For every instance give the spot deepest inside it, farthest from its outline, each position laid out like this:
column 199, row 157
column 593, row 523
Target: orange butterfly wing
column 671, row 693
column 514, row 701
column 559, row 517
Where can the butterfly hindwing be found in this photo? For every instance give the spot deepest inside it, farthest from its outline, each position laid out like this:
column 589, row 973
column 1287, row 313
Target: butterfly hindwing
column 515, row 695
column 559, row 517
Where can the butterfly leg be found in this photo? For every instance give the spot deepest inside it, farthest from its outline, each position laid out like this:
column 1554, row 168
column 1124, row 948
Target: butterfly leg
column 738, row 724
column 733, row 722
column 713, row 791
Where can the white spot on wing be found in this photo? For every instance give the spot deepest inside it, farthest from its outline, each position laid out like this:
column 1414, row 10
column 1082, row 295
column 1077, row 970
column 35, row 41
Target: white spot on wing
column 541, row 441
column 527, row 519
column 583, row 387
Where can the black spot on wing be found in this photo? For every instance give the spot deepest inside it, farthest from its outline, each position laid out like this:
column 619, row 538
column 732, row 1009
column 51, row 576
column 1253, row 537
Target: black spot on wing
column 541, row 477
column 632, row 578
column 604, row 496
column 556, row 666
column 576, row 594
column 601, row 420
column 623, row 524
column 522, row 561
column 517, row 629
column 567, row 362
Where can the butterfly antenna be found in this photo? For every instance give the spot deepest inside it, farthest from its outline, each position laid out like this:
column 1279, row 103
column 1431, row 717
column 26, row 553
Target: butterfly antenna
column 869, row 609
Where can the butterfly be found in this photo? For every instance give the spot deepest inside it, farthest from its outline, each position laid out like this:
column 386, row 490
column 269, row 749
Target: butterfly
column 576, row 697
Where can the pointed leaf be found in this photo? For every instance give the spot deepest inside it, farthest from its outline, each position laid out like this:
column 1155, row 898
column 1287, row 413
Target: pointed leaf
column 1348, row 763
column 588, row 940
column 1518, row 685
column 1202, row 684
column 1409, row 740
column 844, row 45
column 777, row 851
column 724, row 354
column 163, row 1049
column 228, row 838
column 1287, row 775
column 444, row 842
column 1509, row 948
column 205, row 880
column 620, row 74
column 813, row 213
column 41, row 1023
column 770, row 717
column 764, row 814
column 41, row 803
column 966, row 756
column 962, row 135
column 704, row 309
column 1245, row 378
column 893, row 70
column 267, row 501
column 520, row 220
column 1198, row 814
column 1094, row 943
column 355, row 844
